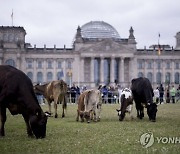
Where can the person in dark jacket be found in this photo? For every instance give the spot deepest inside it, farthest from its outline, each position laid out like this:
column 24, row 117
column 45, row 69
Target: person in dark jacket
column 161, row 93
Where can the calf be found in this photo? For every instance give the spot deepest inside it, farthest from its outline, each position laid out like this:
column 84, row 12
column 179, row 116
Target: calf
column 126, row 104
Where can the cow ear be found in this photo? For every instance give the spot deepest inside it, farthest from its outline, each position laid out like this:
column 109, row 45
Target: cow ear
column 118, row 110
column 38, row 114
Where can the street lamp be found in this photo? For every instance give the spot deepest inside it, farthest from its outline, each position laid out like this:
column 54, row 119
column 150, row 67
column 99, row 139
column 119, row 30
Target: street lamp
column 69, row 73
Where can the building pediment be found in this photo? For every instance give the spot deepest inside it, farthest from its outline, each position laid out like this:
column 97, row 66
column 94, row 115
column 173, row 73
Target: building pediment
column 105, row 46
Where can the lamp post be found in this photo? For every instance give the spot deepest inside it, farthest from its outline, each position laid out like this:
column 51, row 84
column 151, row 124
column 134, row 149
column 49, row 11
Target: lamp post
column 70, row 82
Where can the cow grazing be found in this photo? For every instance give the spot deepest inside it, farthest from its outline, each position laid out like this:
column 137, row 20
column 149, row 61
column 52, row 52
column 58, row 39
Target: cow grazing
column 54, row 91
column 126, row 103
column 16, row 94
column 143, row 94
column 89, row 106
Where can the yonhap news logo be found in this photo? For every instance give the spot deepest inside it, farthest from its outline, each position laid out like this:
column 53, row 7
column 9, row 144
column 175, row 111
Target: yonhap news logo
column 148, row 139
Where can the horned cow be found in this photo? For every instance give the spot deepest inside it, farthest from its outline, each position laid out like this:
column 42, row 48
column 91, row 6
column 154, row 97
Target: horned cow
column 89, row 106
column 54, row 91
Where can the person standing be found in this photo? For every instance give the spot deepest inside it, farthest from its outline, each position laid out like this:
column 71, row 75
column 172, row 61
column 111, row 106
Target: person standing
column 161, row 93
column 156, row 95
column 173, row 94
column 73, row 93
column 167, row 95
column 178, row 94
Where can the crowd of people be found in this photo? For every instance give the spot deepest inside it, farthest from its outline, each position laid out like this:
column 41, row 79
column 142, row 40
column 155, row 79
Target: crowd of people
column 168, row 94
column 111, row 94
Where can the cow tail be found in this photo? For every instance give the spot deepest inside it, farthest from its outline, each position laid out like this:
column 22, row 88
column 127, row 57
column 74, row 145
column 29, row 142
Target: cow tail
column 65, row 103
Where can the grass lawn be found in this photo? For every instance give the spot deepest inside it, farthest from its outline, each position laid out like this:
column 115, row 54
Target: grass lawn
column 107, row 136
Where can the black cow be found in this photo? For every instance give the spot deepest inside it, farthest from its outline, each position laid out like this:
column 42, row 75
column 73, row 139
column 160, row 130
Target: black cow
column 143, row 94
column 16, row 94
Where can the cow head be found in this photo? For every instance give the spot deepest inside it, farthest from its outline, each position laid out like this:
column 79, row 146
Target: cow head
column 38, row 125
column 120, row 114
column 87, row 116
column 151, row 111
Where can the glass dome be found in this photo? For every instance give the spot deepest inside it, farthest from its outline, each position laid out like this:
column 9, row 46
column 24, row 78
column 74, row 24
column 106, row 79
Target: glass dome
column 98, row 29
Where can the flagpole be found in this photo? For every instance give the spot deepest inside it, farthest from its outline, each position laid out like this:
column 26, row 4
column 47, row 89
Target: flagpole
column 12, row 17
column 159, row 52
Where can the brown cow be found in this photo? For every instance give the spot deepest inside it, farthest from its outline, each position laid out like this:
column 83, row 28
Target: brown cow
column 89, row 105
column 16, row 94
column 54, row 91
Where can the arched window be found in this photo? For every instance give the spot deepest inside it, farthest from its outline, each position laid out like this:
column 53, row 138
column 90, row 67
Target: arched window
column 30, row 75
column 140, row 74
column 168, row 78
column 150, row 77
column 60, row 75
column 158, row 78
column 39, row 77
column 10, row 62
column 49, row 76
column 177, row 78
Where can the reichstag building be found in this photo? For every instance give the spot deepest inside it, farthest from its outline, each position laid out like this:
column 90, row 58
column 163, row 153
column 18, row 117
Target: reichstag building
column 98, row 56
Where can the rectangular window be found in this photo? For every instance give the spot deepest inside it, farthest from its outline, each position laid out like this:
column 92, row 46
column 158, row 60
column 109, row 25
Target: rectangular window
column 140, row 64
column 59, row 64
column 149, row 65
column 158, row 65
column 39, row 64
column 168, row 65
column 49, row 64
column 69, row 65
column 177, row 65
column 29, row 64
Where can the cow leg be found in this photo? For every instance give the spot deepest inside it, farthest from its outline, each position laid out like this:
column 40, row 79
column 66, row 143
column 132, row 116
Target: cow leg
column 3, row 120
column 141, row 112
column 64, row 106
column 95, row 118
column 28, row 127
column 130, row 112
column 49, row 105
column 98, row 112
column 139, row 109
column 55, row 108
column 77, row 118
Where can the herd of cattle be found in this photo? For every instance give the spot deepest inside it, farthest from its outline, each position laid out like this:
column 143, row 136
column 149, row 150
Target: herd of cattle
column 19, row 96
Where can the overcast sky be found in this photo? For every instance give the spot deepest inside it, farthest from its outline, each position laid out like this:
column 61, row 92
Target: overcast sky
column 55, row 21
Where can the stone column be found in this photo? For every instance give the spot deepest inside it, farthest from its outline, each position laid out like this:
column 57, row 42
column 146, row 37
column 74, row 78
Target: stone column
column 82, row 70
column 18, row 61
column 112, row 70
column 92, row 69
column 34, row 70
column 163, row 71
column 55, row 70
column 154, row 71
column 172, row 73
column 102, row 70
column 131, row 70
column 145, row 69
column 122, row 70
column 45, row 70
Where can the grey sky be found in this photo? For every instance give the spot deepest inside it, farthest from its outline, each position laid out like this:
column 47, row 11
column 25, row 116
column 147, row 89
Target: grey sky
column 55, row 21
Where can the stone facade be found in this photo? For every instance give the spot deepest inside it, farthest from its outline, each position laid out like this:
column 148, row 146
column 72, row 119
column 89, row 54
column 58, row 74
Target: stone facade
column 91, row 61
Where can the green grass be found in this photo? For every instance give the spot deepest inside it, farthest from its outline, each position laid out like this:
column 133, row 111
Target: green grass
column 107, row 136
